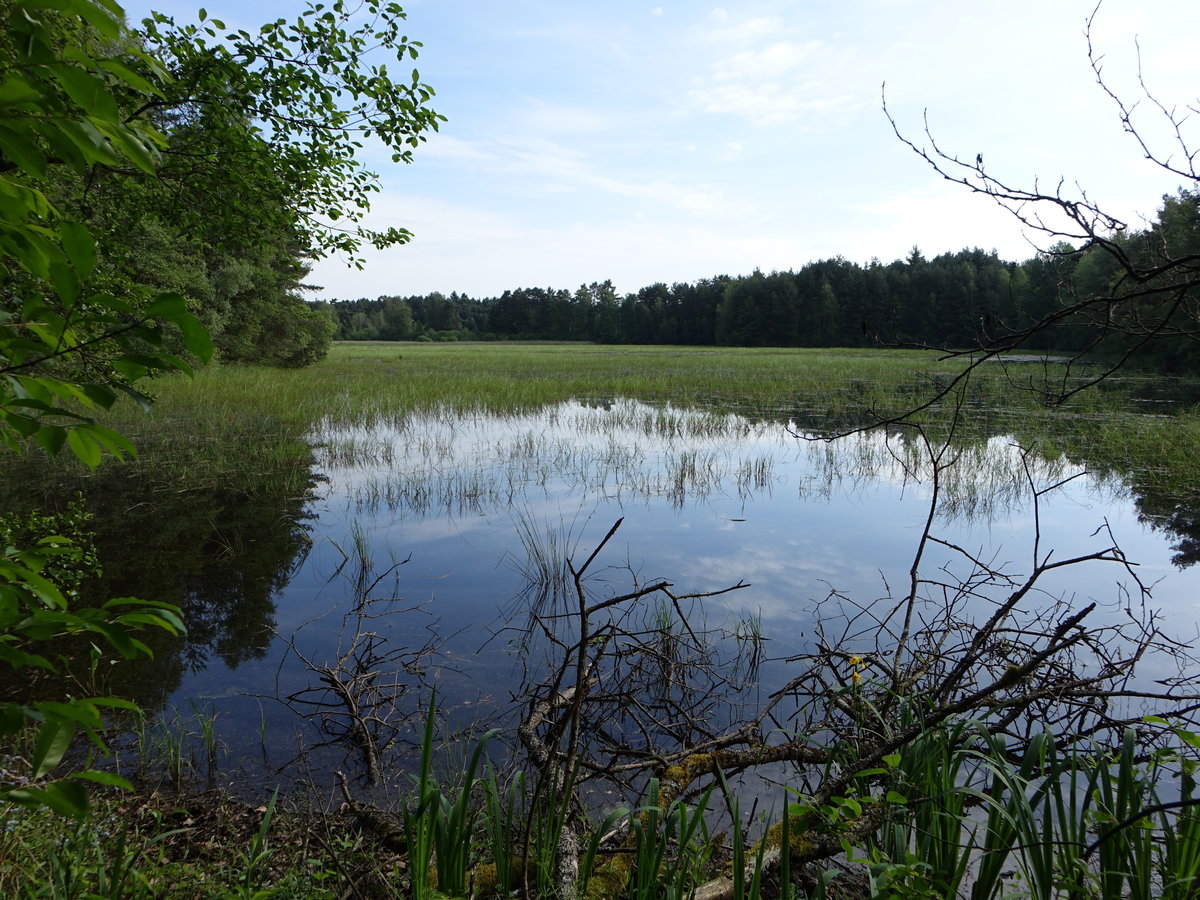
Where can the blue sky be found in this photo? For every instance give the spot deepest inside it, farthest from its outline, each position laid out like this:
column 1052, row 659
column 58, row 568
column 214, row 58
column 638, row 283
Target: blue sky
column 659, row 141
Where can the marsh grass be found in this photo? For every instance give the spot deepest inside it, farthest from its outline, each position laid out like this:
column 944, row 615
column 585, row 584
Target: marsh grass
column 1083, row 822
column 371, row 406
column 544, row 561
column 268, row 422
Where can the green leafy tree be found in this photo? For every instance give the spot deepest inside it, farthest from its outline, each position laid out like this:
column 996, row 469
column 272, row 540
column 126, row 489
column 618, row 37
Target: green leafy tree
column 254, row 168
column 266, row 126
column 68, row 347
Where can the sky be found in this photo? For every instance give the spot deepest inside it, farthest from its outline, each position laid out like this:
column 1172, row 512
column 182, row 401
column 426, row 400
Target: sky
column 669, row 141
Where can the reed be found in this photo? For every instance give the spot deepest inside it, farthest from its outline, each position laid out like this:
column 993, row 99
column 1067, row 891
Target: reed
column 268, row 423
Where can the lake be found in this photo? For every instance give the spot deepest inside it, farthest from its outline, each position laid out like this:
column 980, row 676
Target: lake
column 426, row 540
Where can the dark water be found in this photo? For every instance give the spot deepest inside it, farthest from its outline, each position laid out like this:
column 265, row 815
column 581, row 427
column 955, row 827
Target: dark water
column 439, row 521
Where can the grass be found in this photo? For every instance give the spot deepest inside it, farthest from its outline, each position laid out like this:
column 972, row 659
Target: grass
column 256, row 420
column 1089, row 823
column 359, row 383
column 260, row 426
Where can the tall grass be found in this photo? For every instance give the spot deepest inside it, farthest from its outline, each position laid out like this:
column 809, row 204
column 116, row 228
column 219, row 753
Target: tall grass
column 255, row 420
column 1058, row 823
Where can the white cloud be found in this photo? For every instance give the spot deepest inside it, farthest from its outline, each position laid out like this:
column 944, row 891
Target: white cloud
column 732, row 150
column 764, row 70
column 444, row 146
column 742, row 32
column 770, row 62
column 539, row 166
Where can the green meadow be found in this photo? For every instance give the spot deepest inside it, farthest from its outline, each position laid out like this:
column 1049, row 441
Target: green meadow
column 251, row 419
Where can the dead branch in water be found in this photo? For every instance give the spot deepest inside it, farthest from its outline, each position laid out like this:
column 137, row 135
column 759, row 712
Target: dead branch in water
column 640, row 690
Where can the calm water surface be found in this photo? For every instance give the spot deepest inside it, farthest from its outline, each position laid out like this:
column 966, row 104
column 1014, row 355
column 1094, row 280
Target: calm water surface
column 441, row 515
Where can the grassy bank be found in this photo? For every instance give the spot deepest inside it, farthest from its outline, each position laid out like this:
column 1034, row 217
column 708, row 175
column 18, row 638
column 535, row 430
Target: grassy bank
column 951, row 815
column 360, row 381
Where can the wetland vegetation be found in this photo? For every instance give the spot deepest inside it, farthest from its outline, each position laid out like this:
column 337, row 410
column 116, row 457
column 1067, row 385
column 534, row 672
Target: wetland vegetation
column 562, row 620
column 292, row 516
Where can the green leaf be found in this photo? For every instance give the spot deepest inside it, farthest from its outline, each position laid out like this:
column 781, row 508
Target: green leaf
column 69, row 798
column 90, row 142
column 119, row 638
column 62, row 144
column 130, row 144
column 84, row 447
column 129, row 368
column 89, row 92
column 22, row 150
column 109, row 779
column 128, row 76
column 147, row 362
column 167, row 306
column 107, row 23
column 82, row 712
column 112, row 441
column 66, row 284
column 15, row 89
column 137, row 397
column 115, row 703
column 80, row 248
column 853, row 805
column 53, row 741
column 108, row 301
column 196, row 337
column 13, row 718
column 1188, row 737
column 51, row 438
column 99, row 394
column 42, row 589
column 18, row 658
column 166, row 615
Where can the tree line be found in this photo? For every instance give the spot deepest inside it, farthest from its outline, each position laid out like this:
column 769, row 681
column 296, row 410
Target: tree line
column 958, row 300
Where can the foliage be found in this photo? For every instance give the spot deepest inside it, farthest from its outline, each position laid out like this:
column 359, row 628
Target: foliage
column 260, row 169
column 205, row 165
column 68, row 347
column 72, row 529
column 287, row 108
column 33, row 611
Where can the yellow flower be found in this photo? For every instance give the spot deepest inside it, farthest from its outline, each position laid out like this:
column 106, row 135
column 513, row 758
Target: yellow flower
column 856, row 676
column 856, row 661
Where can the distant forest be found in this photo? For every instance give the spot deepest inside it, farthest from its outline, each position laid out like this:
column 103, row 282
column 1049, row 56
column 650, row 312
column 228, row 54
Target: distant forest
column 952, row 300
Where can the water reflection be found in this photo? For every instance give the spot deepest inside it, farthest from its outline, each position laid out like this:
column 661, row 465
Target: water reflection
column 1178, row 518
column 486, row 508
column 222, row 554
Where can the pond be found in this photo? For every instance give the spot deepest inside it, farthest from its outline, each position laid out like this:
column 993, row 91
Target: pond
column 427, row 540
